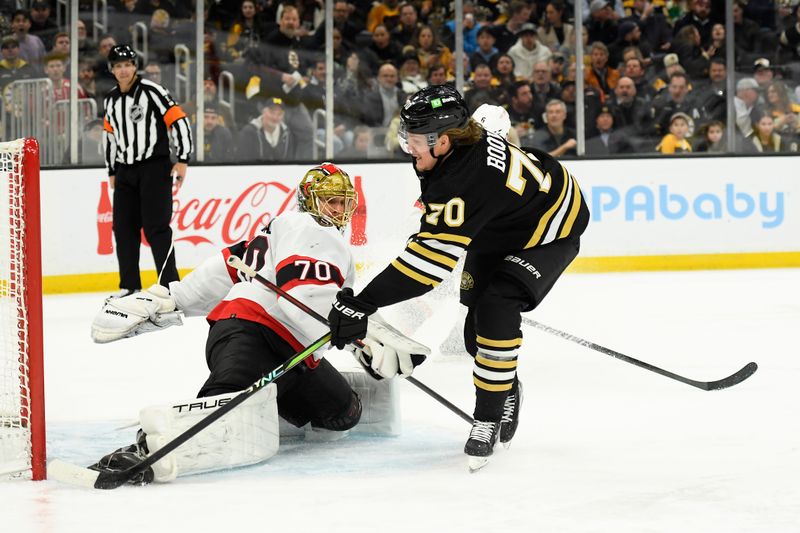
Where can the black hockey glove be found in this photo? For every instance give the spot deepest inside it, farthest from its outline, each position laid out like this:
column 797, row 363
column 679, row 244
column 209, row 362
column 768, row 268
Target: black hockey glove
column 348, row 318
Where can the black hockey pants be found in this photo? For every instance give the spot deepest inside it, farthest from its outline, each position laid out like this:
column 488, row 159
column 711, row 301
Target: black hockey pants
column 238, row 352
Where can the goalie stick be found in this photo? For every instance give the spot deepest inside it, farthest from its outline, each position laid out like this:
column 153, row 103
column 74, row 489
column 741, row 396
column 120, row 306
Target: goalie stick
column 737, row 377
column 76, row 475
column 240, row 265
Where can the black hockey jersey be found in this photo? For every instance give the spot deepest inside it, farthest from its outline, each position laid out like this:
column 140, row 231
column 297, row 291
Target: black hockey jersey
column 489, row 197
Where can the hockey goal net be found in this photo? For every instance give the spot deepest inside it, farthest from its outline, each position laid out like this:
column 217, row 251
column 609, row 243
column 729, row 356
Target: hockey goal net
column 22, row 429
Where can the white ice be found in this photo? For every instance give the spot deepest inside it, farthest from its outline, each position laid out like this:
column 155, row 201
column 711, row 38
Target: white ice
column 603, row 446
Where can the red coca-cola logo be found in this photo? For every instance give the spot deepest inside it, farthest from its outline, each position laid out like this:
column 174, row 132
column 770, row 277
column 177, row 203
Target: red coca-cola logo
column 236, row 218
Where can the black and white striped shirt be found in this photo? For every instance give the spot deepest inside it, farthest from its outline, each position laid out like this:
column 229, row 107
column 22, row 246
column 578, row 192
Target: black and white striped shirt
column 137, row 125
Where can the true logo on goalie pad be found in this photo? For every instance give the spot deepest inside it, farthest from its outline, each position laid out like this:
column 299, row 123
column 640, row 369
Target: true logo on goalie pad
column 197, row 406
column 115, row 313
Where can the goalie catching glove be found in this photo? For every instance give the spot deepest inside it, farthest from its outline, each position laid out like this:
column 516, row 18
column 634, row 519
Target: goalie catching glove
column 135, row 314
column 388, row 352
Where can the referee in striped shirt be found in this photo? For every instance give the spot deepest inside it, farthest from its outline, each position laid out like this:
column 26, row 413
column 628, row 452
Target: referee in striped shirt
column 139, row 118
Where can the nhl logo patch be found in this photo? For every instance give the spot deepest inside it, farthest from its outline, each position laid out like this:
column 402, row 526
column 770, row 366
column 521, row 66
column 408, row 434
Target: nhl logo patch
column 136, row 113
column 466, row 281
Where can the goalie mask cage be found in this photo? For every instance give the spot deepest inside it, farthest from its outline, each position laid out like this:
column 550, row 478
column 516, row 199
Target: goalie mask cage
column 22, row 428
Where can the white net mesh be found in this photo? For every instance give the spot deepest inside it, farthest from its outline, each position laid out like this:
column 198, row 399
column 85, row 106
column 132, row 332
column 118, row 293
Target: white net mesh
column 15, row 435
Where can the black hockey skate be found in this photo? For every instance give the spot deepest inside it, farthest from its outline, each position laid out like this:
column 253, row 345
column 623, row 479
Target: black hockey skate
column 480, row 444
column 510, row 420
column 126, row 457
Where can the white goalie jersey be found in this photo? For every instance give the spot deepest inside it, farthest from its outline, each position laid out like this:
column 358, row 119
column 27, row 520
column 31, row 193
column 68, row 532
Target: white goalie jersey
column 310, row 261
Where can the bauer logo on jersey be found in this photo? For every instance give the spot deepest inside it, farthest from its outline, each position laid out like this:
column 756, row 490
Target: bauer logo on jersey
column 466, row 281
column 136, row 113
column 524, row 264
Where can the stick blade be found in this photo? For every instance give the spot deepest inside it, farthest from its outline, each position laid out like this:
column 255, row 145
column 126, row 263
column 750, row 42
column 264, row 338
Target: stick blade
column 84, row 477
column 71, row 474
column 734, row 379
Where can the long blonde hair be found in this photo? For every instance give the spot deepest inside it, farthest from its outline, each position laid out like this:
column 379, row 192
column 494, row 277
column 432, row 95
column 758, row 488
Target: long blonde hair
column 470, row 133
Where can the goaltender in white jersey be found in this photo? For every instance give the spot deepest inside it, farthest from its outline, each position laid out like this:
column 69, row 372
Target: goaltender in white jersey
column 253, row 331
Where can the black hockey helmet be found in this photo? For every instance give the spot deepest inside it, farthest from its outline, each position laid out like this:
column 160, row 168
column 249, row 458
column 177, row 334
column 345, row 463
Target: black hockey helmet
column 434, row 109
column 120, row 53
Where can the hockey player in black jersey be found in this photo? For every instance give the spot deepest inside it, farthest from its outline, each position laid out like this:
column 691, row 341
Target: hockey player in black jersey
column 518, row 216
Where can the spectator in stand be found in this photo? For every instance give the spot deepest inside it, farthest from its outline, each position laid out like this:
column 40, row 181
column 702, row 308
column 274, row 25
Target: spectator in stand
column 480, row 90
column 789, row 38
column 520, row 111
column 631, row 114
column 54, row 68
column 246, row 32
column 746, row 105
column 411, row 79
column 569, row 96
column 384, row 13
column 672, row 66
column 61, row 45
column 634, row 69
column 384, row 48
column 437, row 75
column 346, row 24
column 527, row 51
column 408, row 26
column 219, row 146
column 712, row 137
column 504, row 73
column 90, row 144
column 556, row 64
column 352, row 87
column 364, row 146
column 429, row 49
column 104, row 80
column 691, row 55
column 764, row 139
column 224, row 116
column 267, row 137
column 763, row 73
column 674, row 142
column 601, row 76
column 544, row 90
column 124, row 16
column 747, row 35
column 161, row 38
column 87, row 80
column 31, row 48
column 700, row 18
column 785, row 113
column 152, row 72
column 12, row 68
column 656, row 30
column 487, row 52
column 602, row 22
column 608, row 140
column 556, row 139
column 384, row 102
column 555, row 32
column 676, row 100
column 629, row 36
column 712, row 97
column 470, row 33
column 86, row 46
column 518, row 14
column 717, row 46
column 41, row 24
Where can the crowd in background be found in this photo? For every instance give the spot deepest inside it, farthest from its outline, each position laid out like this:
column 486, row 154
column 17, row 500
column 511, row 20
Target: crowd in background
column 655, row 72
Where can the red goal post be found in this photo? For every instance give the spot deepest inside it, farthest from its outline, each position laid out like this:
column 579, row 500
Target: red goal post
column 22, row 422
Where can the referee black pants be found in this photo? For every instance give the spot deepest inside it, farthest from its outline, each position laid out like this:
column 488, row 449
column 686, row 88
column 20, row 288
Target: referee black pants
column 143, row 201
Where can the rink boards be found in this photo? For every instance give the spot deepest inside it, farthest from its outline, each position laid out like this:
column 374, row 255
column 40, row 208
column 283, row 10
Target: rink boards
column 647, row 214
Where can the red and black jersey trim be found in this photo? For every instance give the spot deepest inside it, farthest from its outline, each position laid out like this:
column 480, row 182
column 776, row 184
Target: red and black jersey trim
column 301, row 270
column 238, row 250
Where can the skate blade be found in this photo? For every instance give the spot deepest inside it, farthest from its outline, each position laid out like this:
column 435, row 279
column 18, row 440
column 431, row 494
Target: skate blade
column 476, row 463
column 506, row 445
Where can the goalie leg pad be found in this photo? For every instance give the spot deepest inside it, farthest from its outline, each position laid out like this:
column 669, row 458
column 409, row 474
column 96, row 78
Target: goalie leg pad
column 246, row 435
column 380, row 407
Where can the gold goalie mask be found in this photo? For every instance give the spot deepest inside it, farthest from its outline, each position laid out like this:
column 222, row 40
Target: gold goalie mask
column 327, row 194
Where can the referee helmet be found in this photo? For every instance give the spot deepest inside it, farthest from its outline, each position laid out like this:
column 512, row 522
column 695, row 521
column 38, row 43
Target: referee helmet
column 121, row 53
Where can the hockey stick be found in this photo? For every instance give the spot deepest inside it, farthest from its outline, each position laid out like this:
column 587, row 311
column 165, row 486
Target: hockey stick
column 77, row 475
column 240, row 265
column 737, row 377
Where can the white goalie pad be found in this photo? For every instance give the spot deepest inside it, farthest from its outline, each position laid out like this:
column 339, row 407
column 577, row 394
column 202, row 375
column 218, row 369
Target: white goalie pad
column 247, row 435
column 380, row 409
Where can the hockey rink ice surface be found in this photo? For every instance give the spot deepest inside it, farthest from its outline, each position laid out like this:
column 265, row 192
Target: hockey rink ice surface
column 603, row 446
